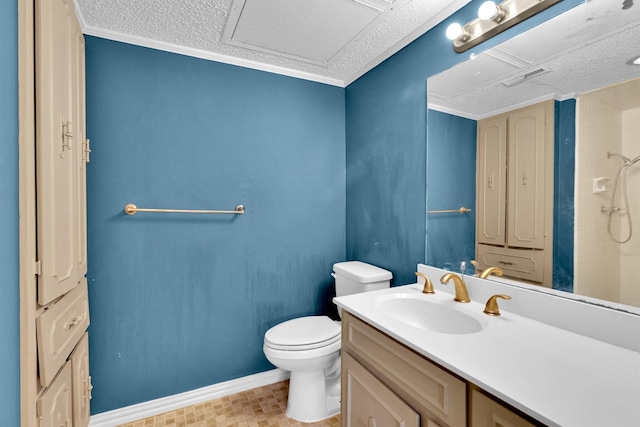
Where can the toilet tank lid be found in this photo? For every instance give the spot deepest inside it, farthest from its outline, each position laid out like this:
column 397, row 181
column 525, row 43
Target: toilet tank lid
column 361, row 272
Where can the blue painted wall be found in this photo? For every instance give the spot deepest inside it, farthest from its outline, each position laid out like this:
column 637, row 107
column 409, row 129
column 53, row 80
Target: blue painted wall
column 9, row 246
column 451, row 158
column 563, row 203
column 168, row 293
column 386, row 147
column 180, row 302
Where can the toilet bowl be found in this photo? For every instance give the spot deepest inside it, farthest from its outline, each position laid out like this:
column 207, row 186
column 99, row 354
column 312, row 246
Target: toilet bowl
column 309, row 347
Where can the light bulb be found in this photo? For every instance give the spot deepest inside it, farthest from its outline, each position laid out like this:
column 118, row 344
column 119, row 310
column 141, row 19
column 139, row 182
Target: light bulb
column 454, row 31
column 634, row 61
column 489, row 11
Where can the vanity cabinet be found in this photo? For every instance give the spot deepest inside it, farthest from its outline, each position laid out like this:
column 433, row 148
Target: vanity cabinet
column 386, row 384
column 436, row 395
column 515, row 192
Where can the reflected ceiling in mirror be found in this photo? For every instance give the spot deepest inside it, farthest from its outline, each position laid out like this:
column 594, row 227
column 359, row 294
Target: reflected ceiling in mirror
column 585, row 48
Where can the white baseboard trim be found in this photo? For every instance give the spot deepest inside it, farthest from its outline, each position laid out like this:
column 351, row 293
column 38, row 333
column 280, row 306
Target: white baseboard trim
column 188, row 398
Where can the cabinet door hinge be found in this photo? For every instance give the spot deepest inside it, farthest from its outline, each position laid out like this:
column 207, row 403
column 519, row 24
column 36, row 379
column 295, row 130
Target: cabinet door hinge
column 37, row 268
column 86, row 150
column 87, row 389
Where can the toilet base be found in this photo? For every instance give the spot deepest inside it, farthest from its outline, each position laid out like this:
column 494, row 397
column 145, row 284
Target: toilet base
column 312, row 396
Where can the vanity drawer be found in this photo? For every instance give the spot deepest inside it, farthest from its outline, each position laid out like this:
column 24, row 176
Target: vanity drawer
column 59, row 329
column 486, row 412
column 412, row 377
column 525, row 264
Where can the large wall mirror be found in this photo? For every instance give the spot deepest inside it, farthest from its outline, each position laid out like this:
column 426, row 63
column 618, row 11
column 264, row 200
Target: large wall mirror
column 596, row 214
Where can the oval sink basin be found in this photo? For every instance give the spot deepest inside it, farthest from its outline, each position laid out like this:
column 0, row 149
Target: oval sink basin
column 436, row 316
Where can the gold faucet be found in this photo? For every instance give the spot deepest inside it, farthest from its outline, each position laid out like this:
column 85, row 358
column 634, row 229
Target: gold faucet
column 428, row 286
column 491, row 270
column 491, row 308
column 476, row 267
column 461, row 289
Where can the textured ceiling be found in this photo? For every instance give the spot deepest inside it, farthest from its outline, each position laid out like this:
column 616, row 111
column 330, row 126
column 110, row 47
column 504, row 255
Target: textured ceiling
column 376, row 30
column 583, row 49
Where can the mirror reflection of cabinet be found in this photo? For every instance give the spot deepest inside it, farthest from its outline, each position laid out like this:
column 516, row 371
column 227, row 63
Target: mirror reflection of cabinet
column 515, row 192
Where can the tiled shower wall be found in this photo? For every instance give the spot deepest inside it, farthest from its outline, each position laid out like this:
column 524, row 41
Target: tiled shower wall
column 603, row 268
column 630, row 251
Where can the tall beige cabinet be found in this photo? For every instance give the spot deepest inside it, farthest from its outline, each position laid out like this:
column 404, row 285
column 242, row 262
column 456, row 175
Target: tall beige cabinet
column 515, row 193
column 55, row 381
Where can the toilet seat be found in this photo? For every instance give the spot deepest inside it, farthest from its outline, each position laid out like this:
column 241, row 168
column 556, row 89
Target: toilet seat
column 303, row 333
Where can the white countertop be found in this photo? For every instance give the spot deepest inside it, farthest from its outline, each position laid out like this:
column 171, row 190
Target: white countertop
column 556, row 376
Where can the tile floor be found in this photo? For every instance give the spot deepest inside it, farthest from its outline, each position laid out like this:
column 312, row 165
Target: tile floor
column 260, row 407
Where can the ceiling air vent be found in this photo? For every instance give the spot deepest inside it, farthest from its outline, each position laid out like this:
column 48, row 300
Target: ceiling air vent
column 519, row 78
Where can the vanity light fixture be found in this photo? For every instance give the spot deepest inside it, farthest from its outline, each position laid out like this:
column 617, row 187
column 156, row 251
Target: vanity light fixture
column 490, row 11
column 456, row 31
column 634, row 61
column 494, row 19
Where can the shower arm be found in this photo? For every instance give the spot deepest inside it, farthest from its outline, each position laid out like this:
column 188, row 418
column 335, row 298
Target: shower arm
column 627, row 161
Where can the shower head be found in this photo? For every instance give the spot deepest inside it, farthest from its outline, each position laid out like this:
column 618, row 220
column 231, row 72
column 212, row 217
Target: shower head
column 627, row 161
column 623, row 158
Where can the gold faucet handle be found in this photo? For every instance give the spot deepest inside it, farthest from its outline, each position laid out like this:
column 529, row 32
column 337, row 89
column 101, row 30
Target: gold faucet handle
column 491, row 270
column 491, row 308
column 476, row 267
column 428, row 286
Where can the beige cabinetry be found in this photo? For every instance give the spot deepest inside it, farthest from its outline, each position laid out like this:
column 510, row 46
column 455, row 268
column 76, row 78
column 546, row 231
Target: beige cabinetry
column 387, row 384
column 60, row 150
column 438, row 397
column 370, row 403
column 515, row 192
column 59, row 329
column 55, row 404
column 487, row 412
column 55, row 381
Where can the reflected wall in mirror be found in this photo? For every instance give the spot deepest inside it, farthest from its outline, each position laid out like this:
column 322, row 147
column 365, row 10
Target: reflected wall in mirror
column 570, row 58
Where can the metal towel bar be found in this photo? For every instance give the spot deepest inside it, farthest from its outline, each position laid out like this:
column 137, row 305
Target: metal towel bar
column 131, row 209
column 461, row 210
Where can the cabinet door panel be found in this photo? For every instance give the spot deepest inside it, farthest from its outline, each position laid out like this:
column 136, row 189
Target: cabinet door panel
column 527, row 135
column 81, row 383
column 60, row 218
column 440, row 394
column 54, row 407
column 492, row 182
column 370, row 403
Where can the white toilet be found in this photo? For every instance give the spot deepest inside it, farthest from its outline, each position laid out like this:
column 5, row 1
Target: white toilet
column 309, row 347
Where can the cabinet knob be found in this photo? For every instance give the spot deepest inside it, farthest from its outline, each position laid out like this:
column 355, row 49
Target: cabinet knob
column 372, row 422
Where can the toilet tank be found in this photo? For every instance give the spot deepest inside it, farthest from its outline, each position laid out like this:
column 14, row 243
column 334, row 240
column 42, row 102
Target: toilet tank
column 353, row 277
